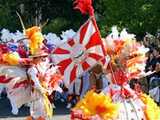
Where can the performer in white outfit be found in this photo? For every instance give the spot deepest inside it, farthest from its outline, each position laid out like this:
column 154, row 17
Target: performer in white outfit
column 38, row 109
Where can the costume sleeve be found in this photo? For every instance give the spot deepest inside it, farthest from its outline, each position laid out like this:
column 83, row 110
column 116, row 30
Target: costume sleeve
column 33, row 74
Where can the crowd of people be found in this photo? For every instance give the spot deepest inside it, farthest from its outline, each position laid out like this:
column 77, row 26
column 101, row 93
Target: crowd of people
column 153, row 64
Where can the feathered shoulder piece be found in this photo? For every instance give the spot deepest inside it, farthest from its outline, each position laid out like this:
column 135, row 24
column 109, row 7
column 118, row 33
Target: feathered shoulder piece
column 85, row 6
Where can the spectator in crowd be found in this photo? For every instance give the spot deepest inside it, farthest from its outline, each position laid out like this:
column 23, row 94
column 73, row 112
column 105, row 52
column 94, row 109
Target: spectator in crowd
column 62, row 96
column 146, row 41
column 95, row 78
column 136, row 85
column 156, row 59
column 149, row 62
column 48, row 46
column 85, row 88
column 3, row 93
column 22, row 50
column 153, row 64
column 12, row 45
column 154, row 82
column 149, row 41
column 74, row 92
column 158, row 38
column 149, row 66
column 58, row 95
column 78, row 89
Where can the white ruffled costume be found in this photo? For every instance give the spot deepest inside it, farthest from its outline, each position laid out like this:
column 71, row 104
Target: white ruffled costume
column 37, row 107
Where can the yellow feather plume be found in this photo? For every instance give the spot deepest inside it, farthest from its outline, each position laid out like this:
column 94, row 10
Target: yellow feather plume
column 100, row 104
column 152, row 111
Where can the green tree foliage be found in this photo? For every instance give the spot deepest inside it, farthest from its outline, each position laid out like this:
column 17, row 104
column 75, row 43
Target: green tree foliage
column 8, row 18
column 138, row 16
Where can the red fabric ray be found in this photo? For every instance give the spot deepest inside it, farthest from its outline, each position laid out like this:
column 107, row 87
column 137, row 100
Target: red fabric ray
column 61, row 51
column 63, row 64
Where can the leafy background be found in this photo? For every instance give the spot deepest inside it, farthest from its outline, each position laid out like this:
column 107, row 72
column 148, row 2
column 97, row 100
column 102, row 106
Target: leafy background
column 138, row 16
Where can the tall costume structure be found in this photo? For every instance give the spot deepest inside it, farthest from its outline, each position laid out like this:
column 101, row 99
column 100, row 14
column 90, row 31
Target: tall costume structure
column 119, row 101
column 81, row 52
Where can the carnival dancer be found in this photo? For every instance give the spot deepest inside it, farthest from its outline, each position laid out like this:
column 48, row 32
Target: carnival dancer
column 127, row 62
column 41, row 108
column 35, row 84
